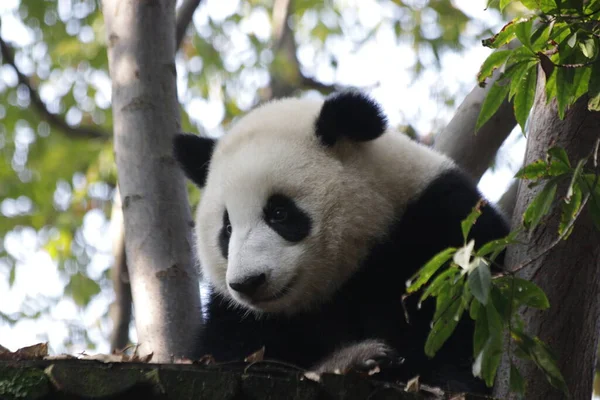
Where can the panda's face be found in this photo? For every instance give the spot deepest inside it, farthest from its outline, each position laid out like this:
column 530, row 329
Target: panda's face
column 265, row 224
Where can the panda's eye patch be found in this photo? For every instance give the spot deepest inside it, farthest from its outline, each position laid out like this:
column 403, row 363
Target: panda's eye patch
column 225, row 235
column 283, row 216
column 279, row 214
column 226, row 224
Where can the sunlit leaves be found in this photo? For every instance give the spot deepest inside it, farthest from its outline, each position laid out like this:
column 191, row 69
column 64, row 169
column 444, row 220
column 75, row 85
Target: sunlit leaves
column 525, row 95
column 495, row 60
column 492, row 103
column 564, row 42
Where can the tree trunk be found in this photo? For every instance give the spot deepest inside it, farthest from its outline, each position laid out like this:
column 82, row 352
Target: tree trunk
column 158, row 221
column 570, row 272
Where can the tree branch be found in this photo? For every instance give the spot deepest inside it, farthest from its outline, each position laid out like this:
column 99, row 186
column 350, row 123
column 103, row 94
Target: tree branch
column 283, row 42
column 475, row 151
column 185, row 12
column 75, row 132
column 120, row 310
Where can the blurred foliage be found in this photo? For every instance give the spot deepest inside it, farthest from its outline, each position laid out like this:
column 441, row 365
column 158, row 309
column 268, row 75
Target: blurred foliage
column 58, row 187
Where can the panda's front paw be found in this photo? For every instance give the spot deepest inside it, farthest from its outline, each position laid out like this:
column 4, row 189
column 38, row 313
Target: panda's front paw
column 362, row 356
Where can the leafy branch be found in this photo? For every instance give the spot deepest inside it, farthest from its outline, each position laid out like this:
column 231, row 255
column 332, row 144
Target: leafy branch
column 56, row 120
column 494, row 302
column 564, row 39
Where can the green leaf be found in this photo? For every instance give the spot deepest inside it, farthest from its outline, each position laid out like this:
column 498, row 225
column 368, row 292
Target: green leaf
column 569, row 210
column 588, row 47
column 541, row 35
column 467, row 223
column 540, row 206
column 517, row 383
column 525, row 95
column 594, row 103
column 449, row 309
column 543, row 5
column 534, row 170
column 564, row 89
column 497, row 244
column 493, row 61
column 481, row 333
column 425, row 273
column 82, row 289
column 560, row 154
column 522, row 292
column 439, row 283
column 491, row 104
column 542, row 356
column 492, row 350
column 504, row 3
column 574, row 178
column 474, row 309
column 523, row 32
column 580, row 82
column 594, row 87
column 572, row 40
column 480, row 281
column 505, row 308
column 506, row 34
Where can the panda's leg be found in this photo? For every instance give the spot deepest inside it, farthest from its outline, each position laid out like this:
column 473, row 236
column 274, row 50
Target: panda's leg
column 359, row 356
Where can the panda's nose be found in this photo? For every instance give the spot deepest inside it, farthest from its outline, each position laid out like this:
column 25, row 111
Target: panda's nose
column 249, row 285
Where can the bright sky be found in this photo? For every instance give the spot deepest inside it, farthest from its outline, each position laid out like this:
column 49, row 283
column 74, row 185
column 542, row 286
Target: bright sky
column 381, row 60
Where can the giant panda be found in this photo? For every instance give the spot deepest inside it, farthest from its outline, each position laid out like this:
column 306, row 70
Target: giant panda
column 313, row 215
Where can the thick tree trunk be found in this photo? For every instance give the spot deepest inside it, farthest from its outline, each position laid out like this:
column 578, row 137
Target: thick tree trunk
column 570, row 272
column 158, row 221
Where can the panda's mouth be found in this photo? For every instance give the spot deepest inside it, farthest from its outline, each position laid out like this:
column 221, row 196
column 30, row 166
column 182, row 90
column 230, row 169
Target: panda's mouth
column 279, row 294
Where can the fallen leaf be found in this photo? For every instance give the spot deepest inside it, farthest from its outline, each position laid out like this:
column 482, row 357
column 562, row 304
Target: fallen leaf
column 256, row 356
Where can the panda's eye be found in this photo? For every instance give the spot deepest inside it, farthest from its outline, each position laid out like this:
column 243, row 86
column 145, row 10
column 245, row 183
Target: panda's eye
column 279, row 214
column 228, row 229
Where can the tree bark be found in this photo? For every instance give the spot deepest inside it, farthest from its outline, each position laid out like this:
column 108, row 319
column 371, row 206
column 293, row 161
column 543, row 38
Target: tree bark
column 472, row 151
column 120, row 309
column 158, row 221
column 185, row 13
column 569, row 272
column 509, row 198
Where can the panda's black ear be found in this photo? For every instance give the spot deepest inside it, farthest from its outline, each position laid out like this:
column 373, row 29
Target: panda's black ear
column 350, row 114
column 193, row 154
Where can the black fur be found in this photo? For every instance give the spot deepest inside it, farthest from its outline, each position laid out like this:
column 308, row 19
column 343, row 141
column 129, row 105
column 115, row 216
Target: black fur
column 193, row 154
column 296, row 224
column 368, row 306
column 350, row 114
column 225, row 235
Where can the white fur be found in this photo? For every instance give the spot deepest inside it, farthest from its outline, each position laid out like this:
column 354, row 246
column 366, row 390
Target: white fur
column 352, row 193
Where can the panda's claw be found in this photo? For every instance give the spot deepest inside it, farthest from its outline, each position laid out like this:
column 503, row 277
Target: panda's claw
column 360, row 357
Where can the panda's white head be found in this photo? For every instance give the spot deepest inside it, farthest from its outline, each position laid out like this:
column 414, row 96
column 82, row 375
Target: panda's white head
column 294, row 196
